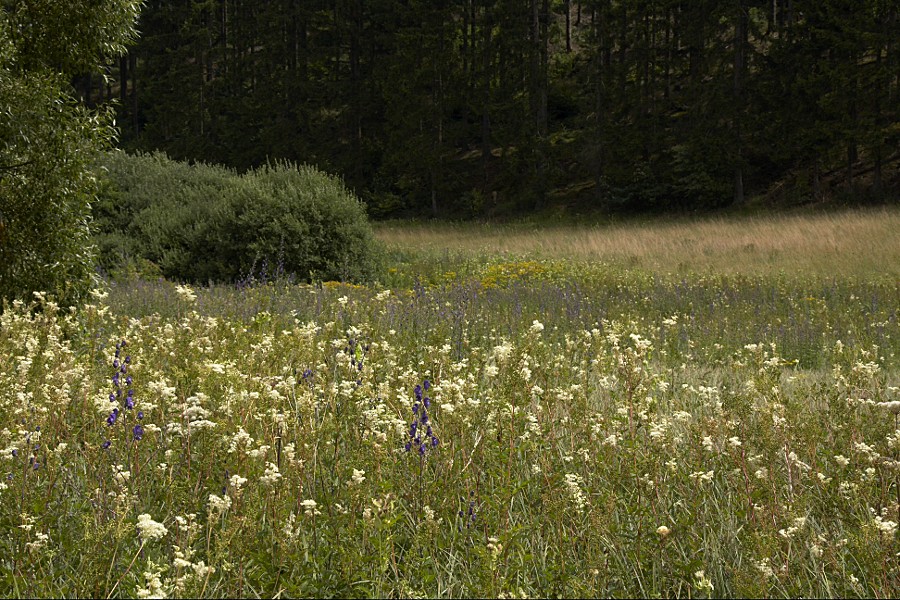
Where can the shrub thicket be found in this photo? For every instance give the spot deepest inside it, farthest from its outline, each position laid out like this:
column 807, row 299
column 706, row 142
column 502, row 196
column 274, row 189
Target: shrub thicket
column 205, row 223
column 48, row 141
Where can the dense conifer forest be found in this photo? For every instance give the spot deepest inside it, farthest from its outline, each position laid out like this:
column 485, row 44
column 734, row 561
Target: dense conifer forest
column 459, row 108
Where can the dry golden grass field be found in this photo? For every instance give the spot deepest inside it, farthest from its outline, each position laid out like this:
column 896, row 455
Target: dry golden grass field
column 863, row 243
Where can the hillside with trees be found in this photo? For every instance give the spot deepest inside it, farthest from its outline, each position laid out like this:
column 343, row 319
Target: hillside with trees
column 461, row 108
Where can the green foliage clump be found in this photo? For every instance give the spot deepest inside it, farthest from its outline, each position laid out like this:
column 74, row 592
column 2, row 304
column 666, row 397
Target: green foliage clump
column 48, row 141
column 203, row 223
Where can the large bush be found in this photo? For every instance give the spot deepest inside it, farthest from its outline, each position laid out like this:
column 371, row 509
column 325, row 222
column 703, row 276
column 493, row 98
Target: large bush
column 205, row 223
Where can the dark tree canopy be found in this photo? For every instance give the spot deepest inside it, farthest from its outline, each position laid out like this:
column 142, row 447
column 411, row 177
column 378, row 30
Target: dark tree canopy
column 458, row 107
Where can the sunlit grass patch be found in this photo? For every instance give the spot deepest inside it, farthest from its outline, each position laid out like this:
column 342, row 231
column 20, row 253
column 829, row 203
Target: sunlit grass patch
column 861, row 243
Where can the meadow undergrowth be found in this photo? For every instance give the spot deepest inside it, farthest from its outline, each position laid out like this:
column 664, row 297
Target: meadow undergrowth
column 507, row 430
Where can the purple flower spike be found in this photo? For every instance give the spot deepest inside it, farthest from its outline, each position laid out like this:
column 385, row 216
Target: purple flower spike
column 434, row 442
column 112, row 397
column 418, row 392
column 137, row 432
column 408, row 446
column 128, row 380
column 129, row 402
column 427, row 402
column 106, row 445
column 128, row 359
column 140, row 414
column 116, row 364
column 427, row 385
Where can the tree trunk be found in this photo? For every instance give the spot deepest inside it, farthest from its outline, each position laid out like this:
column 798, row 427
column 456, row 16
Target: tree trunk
column 740, row 42
column 123, row 79
column 486, row 97
column 132, row 67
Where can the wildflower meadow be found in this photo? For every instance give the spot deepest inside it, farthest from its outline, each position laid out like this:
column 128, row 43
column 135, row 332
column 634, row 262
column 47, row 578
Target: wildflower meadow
column 489, row 426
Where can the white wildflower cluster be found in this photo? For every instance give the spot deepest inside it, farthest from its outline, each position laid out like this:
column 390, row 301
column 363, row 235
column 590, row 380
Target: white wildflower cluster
column 310, row 507
column 380, row 506
column 429, row 514
column 188, row 570
column 704, row 476
column 791, row 531
column 357, row 478
column 641, row 345
column 892, row 406
column 378, row 420
column 188, row 527
column 702, row 582
column 291, row 529
column 573, row 485
column 214, row 367
column 260, row 451
column 239, row 440
column 886, row 527
column 764, row 566
column 532, row 427
column 502, row 352
column 186, row 293
column 149, row 529
column 866, row 369
column 658, row 429
column 218, row 505
column 162, row 389
column 195, row 414
column 38, row 542
column 153, row 584
column 236, row 483
column 120, row 475
column 271, row 476
column 867, row 451
column 495, row 547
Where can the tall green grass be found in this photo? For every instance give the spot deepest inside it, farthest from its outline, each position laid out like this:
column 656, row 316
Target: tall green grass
column 595, row 430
